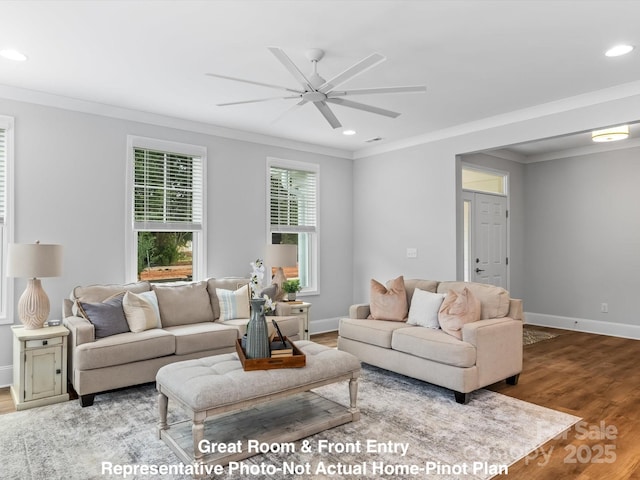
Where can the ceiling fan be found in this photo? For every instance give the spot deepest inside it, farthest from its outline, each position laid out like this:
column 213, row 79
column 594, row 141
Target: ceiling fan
column 321, row 92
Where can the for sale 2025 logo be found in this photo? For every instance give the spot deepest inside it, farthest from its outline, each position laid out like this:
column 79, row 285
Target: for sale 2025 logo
column 603, row 451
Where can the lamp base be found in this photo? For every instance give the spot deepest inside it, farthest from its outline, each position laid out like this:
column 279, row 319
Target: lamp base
column 33, row 306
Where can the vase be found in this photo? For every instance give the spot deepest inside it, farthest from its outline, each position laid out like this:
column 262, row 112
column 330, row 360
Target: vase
column 291, row 296
column 257, row 331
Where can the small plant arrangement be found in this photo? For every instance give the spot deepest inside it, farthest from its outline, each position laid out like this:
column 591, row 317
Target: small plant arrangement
column 291, row 287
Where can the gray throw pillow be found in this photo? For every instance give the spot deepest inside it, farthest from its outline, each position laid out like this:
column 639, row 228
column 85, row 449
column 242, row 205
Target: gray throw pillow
column 107, row 317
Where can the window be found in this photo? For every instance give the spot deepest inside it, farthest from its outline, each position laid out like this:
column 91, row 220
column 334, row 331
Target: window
column 292, row 199
column 484, row 181
column 6, row 204
column 166, row 208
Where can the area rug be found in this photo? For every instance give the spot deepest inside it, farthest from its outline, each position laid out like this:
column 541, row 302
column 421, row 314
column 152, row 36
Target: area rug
column 532, row 335
column 403, row 423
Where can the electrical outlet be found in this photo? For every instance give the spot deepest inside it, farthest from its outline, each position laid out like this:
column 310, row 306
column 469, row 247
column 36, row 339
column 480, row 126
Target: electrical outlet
column 412, row 252
column 604, row 307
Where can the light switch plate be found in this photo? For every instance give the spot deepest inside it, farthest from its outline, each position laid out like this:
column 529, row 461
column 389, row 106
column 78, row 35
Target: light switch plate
column 412, row 252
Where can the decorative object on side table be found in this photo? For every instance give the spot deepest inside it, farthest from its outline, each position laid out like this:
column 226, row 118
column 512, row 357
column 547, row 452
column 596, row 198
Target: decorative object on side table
column 291, row 287
column 34, row 261
column 257, row 344
column 279, row 256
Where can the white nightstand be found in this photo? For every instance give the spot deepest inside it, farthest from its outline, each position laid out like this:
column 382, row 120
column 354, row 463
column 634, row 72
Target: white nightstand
column 296, row 309
column 39, row 366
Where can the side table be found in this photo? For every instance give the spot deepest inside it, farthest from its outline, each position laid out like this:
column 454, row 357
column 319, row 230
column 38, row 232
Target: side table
column 296, row 309
column 39, row 366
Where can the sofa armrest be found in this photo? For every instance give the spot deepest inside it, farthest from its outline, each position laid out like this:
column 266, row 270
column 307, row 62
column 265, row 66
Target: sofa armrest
column 515, row 309
column 81, row 331
column 359, row 310
column 498, row 343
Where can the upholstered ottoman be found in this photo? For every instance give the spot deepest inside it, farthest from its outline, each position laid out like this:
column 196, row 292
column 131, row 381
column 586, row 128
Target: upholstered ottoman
column 271, row 404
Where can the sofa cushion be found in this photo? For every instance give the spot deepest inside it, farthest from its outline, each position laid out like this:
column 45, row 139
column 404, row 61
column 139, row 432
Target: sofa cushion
column 424, row 308
column 124, row 348
column 457, row 309
column 141, row 311
column 390, row 302
column 184, row 304
column 233, row 303
column 107, row 317
column 99, row 293
column 434, row 345
column 227, row 283
column 200, row 337
column 378, row 332
column 494, row 301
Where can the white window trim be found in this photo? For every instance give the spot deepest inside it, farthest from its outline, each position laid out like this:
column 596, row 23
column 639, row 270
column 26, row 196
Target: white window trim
column 199, row 240
column 6, row 311
column 314, row 264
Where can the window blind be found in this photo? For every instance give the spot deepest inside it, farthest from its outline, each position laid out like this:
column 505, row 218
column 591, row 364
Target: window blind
column 167, row 191
column 3, row 174
column 293, row 204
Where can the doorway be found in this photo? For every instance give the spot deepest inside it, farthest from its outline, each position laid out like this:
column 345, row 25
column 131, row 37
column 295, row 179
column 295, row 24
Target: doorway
column 485, row 226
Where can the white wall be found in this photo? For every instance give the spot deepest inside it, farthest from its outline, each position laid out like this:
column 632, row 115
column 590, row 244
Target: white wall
column 70, row 189
column 583, row 242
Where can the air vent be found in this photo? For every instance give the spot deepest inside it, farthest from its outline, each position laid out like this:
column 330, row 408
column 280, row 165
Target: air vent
column 371, row 140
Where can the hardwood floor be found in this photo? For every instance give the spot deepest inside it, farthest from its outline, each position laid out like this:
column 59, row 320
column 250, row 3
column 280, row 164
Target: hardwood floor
column 590, row 376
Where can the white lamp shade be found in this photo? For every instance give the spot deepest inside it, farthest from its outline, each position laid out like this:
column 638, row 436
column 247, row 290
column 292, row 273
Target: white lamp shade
column 281, row 255
column 34, row 260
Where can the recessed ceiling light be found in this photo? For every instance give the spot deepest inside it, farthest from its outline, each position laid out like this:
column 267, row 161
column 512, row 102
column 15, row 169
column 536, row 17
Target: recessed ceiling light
column 13, row 55
column 610, row 134
column 618, row 50
column 349, row 132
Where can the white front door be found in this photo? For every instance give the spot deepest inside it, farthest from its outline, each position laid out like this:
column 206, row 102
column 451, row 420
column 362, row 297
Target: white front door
column 488, row 239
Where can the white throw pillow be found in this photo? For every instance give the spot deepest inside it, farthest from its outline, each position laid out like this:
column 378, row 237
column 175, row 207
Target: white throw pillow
column 141, row 311
column 233, row 304
column 424, row 308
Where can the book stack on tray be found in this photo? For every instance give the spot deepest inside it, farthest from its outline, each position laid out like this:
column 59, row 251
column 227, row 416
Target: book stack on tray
column 280, row 349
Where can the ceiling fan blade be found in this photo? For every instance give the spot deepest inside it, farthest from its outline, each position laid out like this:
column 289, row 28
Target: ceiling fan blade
column 254, row 83
column 293, row 107
column 349, row 73
column 328, row 114
column 289, row 65
column 362, row 106
column 372, row 91
column 254, row 101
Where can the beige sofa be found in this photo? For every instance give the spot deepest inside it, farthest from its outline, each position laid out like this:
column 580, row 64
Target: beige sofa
column 190, row 327
column 490, row 349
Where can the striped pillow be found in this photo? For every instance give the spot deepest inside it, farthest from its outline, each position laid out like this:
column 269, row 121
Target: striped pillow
column 233, row 304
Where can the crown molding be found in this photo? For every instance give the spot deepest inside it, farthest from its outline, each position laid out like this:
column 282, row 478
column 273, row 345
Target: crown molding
column 101, row 109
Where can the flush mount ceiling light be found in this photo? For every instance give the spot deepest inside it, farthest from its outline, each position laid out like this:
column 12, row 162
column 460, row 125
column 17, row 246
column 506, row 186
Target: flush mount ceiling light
column 349, row 132
column 15, row 55
column 610, row 134
column 618, row 50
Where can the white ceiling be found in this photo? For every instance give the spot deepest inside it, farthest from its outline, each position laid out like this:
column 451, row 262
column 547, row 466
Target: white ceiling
column 477, row 58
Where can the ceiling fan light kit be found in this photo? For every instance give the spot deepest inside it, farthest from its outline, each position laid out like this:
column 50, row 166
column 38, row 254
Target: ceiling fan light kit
column 320, row 92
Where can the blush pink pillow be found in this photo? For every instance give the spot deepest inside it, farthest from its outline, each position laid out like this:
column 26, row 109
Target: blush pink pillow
column 390, row 302
column 457, row 309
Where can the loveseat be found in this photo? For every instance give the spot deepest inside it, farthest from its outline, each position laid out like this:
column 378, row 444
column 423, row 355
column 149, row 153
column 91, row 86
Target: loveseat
column 489, row 350
column 163, row 324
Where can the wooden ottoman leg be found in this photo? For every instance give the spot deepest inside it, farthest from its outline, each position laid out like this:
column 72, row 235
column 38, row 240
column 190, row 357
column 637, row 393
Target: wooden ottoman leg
column 353, row 398
column 163, row 401
column 197, row 431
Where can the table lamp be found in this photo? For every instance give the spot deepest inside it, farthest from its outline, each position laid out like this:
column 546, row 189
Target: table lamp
column 281, row 255
column 33, row 260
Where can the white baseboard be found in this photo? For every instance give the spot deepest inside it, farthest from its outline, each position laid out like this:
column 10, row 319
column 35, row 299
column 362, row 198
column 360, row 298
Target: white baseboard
column 6, row 375
column 324, row 325
column 584, row 325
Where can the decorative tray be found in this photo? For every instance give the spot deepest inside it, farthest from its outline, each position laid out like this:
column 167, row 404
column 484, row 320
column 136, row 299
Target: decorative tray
column 297, row 360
